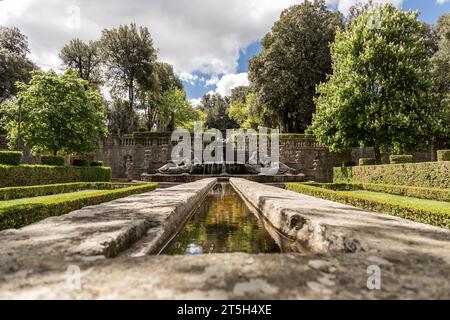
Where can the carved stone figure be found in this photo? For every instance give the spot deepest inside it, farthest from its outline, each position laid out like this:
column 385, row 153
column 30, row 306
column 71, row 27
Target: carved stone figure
column 129, row 167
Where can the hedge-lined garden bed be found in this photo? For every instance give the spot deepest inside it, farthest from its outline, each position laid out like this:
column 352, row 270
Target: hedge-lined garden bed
column 405, row 191
column 44, row 190
column 421, row 212
column 30, row 175
column 426, row 174
column 17, row 216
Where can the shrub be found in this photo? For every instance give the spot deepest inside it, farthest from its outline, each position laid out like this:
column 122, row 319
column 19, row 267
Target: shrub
column 17, row 216
column 44, row 190
column 425, row 174
column 397, row 159
column 419, row 213
column 10, row 158
column 30, row 175
column 367, row 161
column 52, row 161
column 97, row 164
column 348, row 164
column 406, row 191
column 443, row 155
column 80, row 163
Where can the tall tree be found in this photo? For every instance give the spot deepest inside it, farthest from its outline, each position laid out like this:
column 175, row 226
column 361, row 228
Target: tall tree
column 378, row 94
column 216, row 108
column 129, row 55
column 441, row 80
column 58, row 114
column 84, row 58
column 295, row 58
column 14, row 64
column 119, row 118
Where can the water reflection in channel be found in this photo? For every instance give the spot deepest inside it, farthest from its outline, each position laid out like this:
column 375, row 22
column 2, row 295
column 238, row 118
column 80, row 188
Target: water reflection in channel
column 223, row 223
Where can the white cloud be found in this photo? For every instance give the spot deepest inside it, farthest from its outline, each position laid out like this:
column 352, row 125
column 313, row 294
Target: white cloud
column 441, row 1
column 196, row 102
column 231, row 81
column 345, row 5
column 212, row 81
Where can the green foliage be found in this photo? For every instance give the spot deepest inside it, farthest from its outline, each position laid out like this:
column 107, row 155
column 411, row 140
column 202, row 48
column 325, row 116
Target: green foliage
column 426, row 174
column 84, row 58
column 244, row 110
column 129, row 56
column 367, row 161
column 52, row 161
column 443, row 155
column 12, row 193
column 17, row 216
column 425, row 211
column 57, row 114
column 96, row 163
column 10, row 158
column 378, row 94
column 397, row 159
column 14, row 64
column 216, row 108
column 295, row 58
column 29, row 175
column 406, row 191
column 80, row 163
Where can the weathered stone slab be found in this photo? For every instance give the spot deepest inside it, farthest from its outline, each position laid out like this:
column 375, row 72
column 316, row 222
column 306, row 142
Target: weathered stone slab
column 101, row 231
column 322, row 226
column 242, row 276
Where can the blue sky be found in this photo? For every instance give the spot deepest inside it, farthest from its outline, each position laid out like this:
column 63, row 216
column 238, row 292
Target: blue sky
column 429, row 12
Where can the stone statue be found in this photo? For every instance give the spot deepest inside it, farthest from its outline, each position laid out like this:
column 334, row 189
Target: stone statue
column 129, row 167
column 147, row 159
column 174, row 168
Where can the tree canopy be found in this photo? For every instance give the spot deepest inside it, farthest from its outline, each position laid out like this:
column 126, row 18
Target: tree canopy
column 378, row 94
column 295, row 58
column 57, row 114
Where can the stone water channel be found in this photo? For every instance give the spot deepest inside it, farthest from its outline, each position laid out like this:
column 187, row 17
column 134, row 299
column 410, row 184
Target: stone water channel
column 245, row 224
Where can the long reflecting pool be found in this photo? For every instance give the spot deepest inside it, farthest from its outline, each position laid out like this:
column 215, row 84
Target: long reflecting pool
column 223, row 223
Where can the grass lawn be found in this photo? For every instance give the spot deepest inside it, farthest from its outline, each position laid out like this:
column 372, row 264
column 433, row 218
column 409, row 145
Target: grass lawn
column 421, row 210
column 401, row 200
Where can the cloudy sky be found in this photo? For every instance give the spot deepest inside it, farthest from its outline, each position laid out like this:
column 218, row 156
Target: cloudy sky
column 209, row 42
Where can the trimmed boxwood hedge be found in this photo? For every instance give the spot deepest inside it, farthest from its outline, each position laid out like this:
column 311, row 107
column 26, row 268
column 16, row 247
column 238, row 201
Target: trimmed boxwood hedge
column 10, row 158
column 21, row 215
column 97, row 164
column 425, row 174
column 80, row 163
column 440, row 218
column 52, row 161
column 443, row 155
column 12, row 193
column 30, row 175
column 367, row 161
column 406, row 191
column 397, row 159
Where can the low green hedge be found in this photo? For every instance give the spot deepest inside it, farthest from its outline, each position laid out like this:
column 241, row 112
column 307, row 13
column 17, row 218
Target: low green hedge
column 17, row 216
column 443, row 155
column 425, row 174
column 10, row 158
column 397, row 159
column 440, row 218
column 367, row 161
column 52, row 161
column 80, row 163
column 406, row 191
column 97, row 164
column 44, row 190
column 30, row 175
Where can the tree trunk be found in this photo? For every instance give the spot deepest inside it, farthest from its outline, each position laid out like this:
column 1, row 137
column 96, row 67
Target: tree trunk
column 376, row 149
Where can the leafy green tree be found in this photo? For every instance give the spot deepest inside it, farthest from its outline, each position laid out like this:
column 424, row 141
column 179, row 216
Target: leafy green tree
column 295, row 58
column 175, row 111
column 216, row 108
column 378, row 94
column 244, row 109
column 84, row 58
column 57, row 114
column 441, row 81
column 129, row 56
column 14, row 64
column 119, row 118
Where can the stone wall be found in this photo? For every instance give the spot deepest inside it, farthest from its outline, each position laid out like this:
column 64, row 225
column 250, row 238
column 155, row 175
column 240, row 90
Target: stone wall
column 297, row 151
